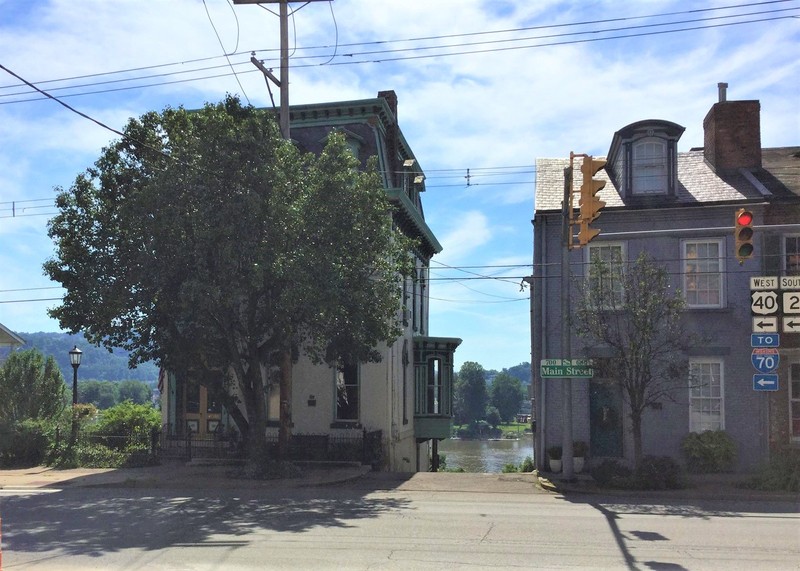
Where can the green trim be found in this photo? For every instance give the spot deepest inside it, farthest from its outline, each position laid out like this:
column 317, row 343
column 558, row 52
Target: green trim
column 412, row 215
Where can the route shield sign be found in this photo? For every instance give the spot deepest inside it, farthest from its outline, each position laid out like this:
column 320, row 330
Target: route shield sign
column 765, row 360
column 764, row 302
column 765, row 382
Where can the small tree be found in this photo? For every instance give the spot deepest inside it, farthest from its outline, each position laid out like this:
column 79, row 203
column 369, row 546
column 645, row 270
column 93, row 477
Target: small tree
column 471, row 396
column 635, row 318
column 31, row 387
column 506, row 395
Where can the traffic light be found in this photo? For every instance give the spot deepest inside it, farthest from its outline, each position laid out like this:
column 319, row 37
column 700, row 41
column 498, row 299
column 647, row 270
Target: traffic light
column 589, row 203
column 743, row 233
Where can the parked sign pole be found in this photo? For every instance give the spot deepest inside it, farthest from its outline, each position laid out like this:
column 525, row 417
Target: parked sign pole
column 566, row 349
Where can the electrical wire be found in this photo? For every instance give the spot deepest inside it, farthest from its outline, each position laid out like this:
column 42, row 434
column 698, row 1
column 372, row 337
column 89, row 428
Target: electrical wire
column 224, row 51
column 350, row 56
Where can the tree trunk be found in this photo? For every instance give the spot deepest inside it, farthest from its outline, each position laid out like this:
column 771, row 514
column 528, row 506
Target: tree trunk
column 284, row 431
column 636, row 431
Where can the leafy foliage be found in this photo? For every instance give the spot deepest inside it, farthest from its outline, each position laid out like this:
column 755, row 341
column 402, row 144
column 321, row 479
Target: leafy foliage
column 205, row 243
column 710, row 451
column 127, row 424
column 632, row 313
column 506, row 395
column 652, row 473
column 471, row 396
column 31, row 387
column 782, row 473
column 23, row 443
column 493, row 417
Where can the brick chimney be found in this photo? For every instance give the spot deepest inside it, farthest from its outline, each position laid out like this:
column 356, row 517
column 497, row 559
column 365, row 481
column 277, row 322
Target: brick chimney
column 391, row 98
column 732, row 130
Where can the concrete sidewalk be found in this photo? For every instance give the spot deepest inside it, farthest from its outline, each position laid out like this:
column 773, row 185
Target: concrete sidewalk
column 192, row 476
column 175, row 475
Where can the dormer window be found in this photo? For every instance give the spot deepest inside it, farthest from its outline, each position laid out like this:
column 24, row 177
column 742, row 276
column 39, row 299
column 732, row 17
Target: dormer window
column 643, row 161
column 649, row 169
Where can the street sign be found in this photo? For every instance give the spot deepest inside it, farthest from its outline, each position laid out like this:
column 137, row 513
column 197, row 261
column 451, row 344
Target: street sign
column 791, row 324
column 790, row 282
column 766, row 324
column 764, row 302
column 566, row 368
column 765, row 360
column 791, row 302
column 763, row 282
column 761, row 340
column 765, row 382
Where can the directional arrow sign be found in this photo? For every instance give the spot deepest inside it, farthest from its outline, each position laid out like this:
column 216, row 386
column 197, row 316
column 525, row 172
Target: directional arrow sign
column 765, row 382
column 791, row 324
column 765, row 325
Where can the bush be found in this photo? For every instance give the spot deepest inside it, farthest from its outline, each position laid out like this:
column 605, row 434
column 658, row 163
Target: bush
column 782, row 473
column 554, row 452
column 527, row 465
column 510, row 468
column 611, row 473
column 23, row 443
column 658, row 473
column 580, row 449
column 708, row 452
column 127, row 424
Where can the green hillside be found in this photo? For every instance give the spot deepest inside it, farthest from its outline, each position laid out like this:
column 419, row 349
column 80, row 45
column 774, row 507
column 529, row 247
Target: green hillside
column 97, row 363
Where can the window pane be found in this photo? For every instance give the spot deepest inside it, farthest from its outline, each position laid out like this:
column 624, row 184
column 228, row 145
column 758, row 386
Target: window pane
column 706, row 407
column 792, row 262
column 347, row 392
column 702, row 274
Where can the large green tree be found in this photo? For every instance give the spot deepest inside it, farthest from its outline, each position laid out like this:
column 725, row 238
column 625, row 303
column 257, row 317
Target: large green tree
column 632, row 316
column 31, row 387
column 470, row 397
column 506, row 395
column 205, row 242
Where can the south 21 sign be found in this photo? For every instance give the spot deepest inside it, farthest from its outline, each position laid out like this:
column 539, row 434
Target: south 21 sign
column 765, row 359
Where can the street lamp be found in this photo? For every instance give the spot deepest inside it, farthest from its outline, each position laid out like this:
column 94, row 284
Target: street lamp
column 75, row 355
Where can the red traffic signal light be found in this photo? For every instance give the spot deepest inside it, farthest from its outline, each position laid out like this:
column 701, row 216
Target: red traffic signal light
column 743, row 235
column 589, row 203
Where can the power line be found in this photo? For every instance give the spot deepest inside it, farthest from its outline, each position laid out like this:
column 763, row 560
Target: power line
column 352, row 55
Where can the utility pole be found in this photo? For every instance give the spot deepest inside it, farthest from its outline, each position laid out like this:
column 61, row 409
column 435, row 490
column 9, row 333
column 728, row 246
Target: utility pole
column 567, row 465
column 283, row 82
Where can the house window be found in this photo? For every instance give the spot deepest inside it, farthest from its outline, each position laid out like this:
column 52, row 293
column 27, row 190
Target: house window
column 650, row 167
column 706, row 411
column 434, row 386
column 605, row 261
column 794, row 400
column 702, row 273
column 791, row 255
column 347, row 392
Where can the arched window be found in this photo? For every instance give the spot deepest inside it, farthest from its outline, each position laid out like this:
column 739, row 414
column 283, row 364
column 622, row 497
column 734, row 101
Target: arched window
column 650, row 166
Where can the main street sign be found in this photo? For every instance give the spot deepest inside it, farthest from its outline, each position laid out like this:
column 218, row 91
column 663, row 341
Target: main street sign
column 765, row 360
column 566, row 368
column 765, row 382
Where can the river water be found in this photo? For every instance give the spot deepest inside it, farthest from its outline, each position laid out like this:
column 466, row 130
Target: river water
column 485, row 455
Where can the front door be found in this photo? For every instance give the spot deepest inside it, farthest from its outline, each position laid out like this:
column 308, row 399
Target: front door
column 605, row 417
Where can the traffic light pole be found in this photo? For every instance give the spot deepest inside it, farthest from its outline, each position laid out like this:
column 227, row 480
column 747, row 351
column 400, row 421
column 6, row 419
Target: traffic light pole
column 566, row 348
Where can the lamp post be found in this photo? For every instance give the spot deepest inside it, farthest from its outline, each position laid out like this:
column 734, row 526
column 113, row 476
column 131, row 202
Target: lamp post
column 75, row 355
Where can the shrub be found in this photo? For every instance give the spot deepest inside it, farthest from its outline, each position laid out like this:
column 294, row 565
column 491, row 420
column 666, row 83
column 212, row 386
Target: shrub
column 127, row 424
column 527, row 465
column 23, row 443
column 580, row 448
column 709, row 452
column 782, row 473
column 554, row 452
column 658, row 473
column 510, row 468
column 610, row 473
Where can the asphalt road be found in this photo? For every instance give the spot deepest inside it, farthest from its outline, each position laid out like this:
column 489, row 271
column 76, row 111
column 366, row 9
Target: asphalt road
column 376, row 525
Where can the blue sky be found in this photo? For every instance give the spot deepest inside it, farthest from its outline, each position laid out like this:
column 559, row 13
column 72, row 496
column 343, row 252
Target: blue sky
column 484, row 86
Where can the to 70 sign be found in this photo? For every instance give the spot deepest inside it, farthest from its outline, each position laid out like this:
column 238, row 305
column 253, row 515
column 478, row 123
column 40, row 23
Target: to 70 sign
column 765, row 360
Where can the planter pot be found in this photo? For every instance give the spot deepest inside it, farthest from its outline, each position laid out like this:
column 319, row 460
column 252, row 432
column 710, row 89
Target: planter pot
column 577, row 463
column 555, row 465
